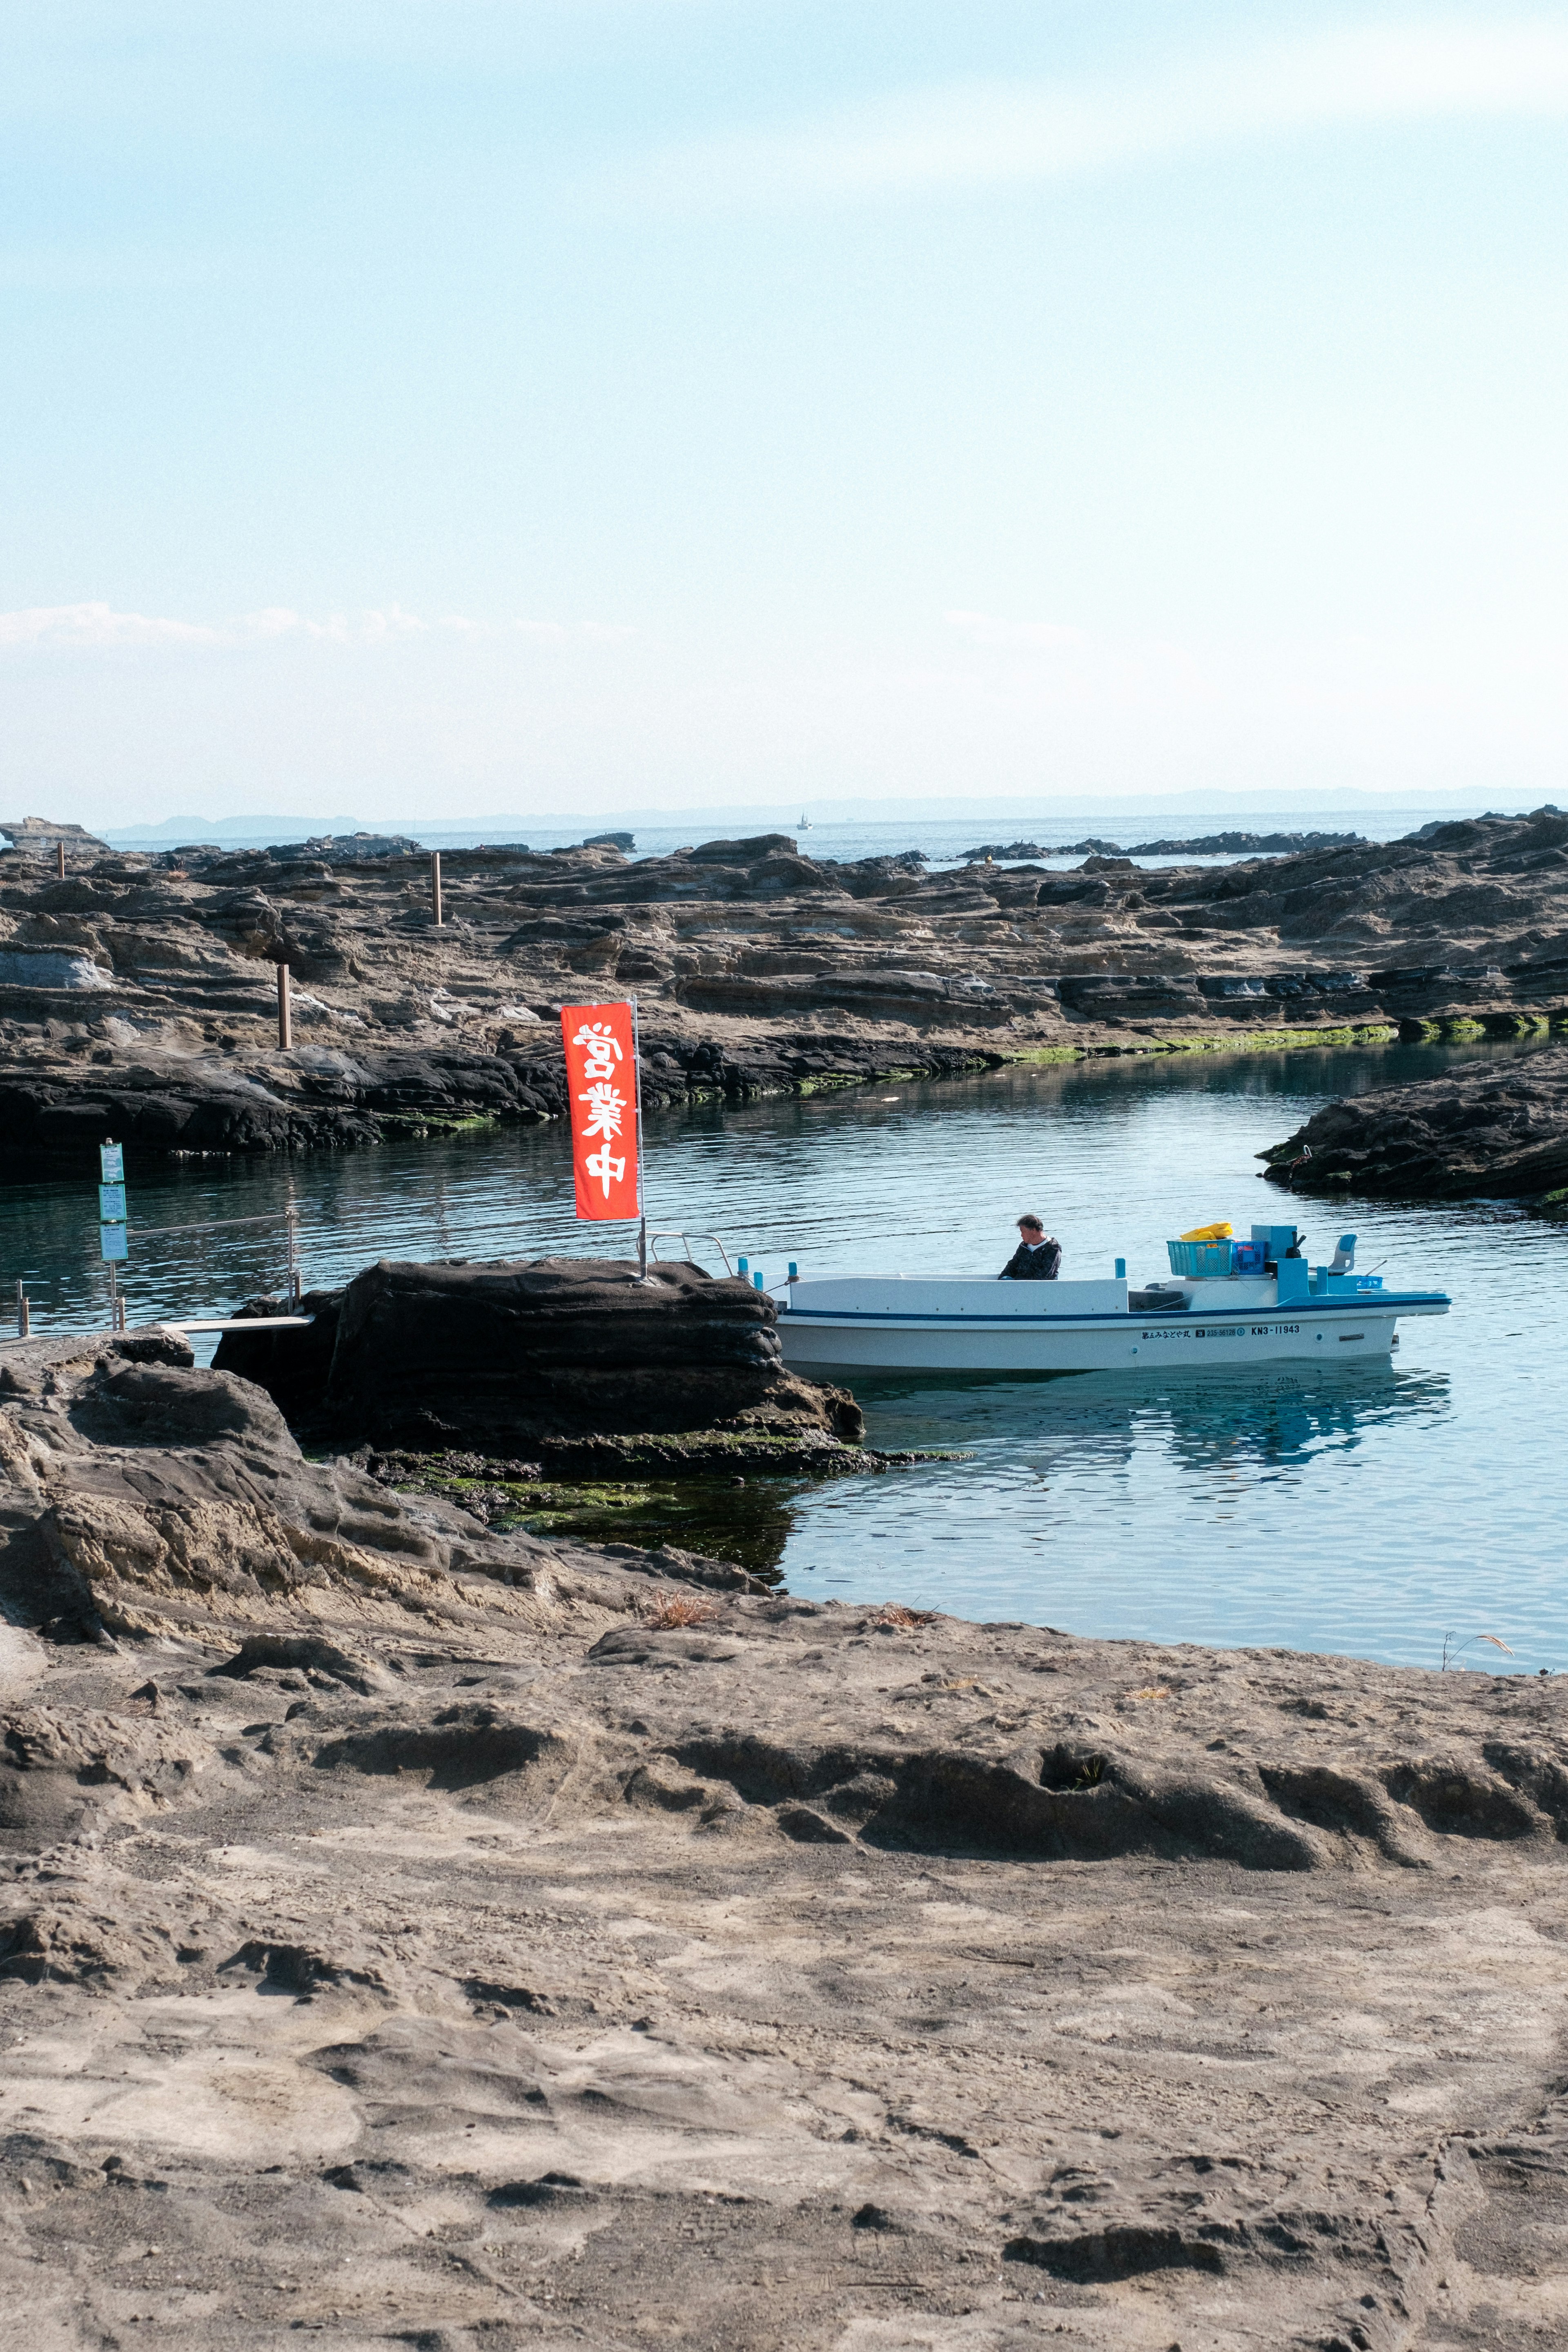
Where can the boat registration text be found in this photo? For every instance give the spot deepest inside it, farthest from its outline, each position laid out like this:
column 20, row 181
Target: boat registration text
column 1220, row 1332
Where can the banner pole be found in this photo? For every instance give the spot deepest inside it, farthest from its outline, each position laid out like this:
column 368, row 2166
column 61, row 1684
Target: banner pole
column 642, row 1203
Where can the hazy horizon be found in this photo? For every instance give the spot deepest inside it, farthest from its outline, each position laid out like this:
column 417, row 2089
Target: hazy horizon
column 941, row 827
column 589, row 406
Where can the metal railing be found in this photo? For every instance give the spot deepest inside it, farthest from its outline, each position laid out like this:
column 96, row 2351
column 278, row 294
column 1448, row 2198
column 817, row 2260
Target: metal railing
column 677, row 1234
column 287, row 1217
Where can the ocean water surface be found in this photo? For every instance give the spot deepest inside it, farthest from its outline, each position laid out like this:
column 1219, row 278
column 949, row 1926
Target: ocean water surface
column 1377, row 1511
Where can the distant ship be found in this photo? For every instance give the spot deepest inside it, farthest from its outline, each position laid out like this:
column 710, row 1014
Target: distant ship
column 805, row 826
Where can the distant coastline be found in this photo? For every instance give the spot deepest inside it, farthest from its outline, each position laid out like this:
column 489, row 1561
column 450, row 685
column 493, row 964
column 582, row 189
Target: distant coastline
column 941, row 830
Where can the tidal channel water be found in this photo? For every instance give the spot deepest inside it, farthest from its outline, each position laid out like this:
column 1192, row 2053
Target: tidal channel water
column 1376, row 1512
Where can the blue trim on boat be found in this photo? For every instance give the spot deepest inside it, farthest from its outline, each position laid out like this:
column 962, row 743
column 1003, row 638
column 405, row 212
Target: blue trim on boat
column 1375, row 1302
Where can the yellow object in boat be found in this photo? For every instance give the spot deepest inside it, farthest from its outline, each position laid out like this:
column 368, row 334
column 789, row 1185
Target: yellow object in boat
column 1220, row 1232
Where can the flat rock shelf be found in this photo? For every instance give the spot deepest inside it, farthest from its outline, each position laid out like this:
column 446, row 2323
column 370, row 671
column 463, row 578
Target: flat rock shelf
column 138, row 993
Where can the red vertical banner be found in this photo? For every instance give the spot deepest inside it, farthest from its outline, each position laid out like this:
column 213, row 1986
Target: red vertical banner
column 602, row 1087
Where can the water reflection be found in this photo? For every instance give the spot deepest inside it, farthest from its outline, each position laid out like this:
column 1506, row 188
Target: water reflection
column 1369, row 1511
column 1271, row 1422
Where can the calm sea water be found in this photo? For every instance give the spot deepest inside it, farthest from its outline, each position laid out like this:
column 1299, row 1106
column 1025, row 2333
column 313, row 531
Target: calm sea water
column 944, row 839
column 1372, row 1511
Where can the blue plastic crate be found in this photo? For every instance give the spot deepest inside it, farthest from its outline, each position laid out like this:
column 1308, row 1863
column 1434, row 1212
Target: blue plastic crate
column 1195, row 1260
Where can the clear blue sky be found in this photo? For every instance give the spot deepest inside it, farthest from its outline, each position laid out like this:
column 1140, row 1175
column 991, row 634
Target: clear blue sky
column 420, row 407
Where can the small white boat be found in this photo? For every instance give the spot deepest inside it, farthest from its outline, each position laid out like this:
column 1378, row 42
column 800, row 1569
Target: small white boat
column 953, row 1323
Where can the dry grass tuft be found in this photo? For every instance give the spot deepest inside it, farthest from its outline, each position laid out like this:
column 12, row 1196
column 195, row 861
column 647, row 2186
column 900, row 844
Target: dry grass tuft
column 680, row 1609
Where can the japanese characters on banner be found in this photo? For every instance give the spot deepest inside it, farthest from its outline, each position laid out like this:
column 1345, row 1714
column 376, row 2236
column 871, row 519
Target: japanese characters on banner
column 602, row 1083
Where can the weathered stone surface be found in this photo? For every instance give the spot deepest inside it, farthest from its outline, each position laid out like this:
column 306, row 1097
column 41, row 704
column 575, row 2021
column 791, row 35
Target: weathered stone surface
column 1484, row 1129
column 455, row 1938
column 142, row 1492
column 138, row 995
column 1207, row 845
column 38, row 836
column 547, row 1351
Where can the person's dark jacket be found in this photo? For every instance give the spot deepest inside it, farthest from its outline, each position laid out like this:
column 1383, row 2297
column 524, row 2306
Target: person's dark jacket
column 1034, row 1264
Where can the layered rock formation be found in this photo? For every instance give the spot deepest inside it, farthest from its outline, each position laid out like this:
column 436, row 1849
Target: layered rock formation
column 1206, row 845
column 40, row 836
column 1485, row 1130
column 137, row 997
column 413, row 1935
column 511, row 1357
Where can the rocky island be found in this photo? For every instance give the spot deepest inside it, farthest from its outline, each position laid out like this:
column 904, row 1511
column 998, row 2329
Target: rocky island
column 1495, row 1131
column 565, row 1357
column 414, row 1932
column 138, row 995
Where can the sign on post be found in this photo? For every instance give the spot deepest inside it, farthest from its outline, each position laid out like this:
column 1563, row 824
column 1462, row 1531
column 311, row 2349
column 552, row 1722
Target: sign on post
column 602, row 1088
column 112, row 1232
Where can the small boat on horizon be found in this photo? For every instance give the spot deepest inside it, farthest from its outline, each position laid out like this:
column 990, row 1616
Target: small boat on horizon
column 1270, row 1307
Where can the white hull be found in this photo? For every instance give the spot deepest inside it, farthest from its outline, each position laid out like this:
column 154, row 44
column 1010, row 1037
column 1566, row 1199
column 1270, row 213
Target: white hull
column 838, row 1328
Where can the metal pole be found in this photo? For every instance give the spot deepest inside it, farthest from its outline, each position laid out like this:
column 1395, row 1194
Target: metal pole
column 24, row 1315
column 60, row 859
column 436, row 885
column 293, row 1269
column 285, row 1012
column 114, row 1299
column 636, row 1088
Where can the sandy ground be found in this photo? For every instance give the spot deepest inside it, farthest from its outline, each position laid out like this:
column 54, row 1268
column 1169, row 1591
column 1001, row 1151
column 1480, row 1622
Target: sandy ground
column 472, row 1942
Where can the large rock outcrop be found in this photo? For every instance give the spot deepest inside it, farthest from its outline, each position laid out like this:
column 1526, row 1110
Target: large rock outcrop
column 1484, row 1129
column 39, row 836
column 501, row 1357
column 140, row 1495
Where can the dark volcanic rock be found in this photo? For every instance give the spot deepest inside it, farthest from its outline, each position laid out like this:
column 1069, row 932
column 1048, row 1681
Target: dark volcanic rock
column 1480, row 1130
column 1012, row 850
column 1242, row 844
column 325, row 1099
column 137, row 996
column 505, row 1356
column 292, row 1366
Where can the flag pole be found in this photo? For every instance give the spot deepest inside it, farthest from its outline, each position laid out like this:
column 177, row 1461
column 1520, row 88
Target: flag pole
column 642, row 1204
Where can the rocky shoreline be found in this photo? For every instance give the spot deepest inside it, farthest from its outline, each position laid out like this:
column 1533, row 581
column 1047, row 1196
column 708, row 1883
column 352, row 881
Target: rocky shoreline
column 564, row 1395
column 519, row 1354
column 414, row 1932
column 1486, row 1131
column 138, row 994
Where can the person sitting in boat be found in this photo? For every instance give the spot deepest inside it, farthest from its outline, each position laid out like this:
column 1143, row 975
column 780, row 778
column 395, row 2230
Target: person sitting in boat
column 1037, row 1257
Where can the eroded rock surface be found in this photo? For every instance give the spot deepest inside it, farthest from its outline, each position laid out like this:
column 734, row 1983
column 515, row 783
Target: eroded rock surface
column 514, row 1354
column 1483, row 1130
column 415, row 1936
column 137, row 996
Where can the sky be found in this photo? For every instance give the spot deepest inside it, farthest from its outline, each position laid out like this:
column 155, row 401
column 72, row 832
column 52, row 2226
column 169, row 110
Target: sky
column 439, row 408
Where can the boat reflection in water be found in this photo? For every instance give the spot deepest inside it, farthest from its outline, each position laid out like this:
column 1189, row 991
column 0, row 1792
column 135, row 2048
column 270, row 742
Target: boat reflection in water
column 1232, row 1507
column 1279, row 1418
